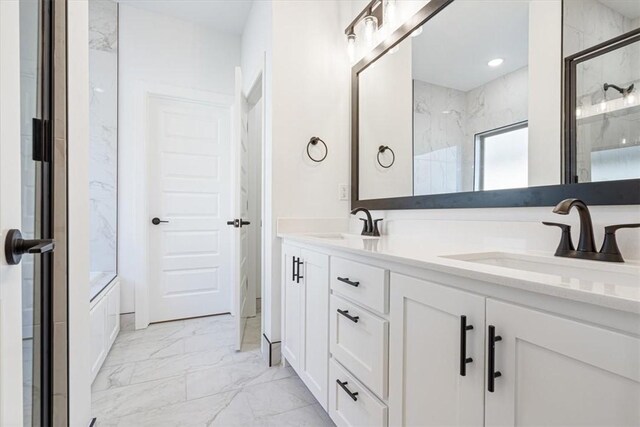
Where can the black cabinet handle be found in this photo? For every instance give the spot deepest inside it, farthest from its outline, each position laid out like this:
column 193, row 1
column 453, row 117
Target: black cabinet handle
column 298, row 276
column 492, row 374
column 463, row 345
column 351, row 394
column 346, row 314
column 293, row 269
column 348, row 282
column 156, row 221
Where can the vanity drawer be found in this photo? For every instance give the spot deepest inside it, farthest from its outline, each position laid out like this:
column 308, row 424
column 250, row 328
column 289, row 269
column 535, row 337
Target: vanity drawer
column 359, row 341
column 363, row 283
column 366, row 410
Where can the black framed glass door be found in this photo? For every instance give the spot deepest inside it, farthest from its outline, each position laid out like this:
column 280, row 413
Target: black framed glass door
column 36, row 208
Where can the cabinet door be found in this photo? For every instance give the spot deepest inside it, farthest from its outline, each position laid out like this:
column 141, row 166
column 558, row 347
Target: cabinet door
column 315, row 334
column 113, row 314
column 97, row 321
column 558, row 372
column 426, row 385
column 292, row 328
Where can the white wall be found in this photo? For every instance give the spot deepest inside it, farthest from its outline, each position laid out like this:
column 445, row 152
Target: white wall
column 157, row 50
column 310, row 98
column 386, row 99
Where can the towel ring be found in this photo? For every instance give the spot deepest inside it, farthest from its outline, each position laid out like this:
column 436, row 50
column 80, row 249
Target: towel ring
column 314, row 141
column 381, row 150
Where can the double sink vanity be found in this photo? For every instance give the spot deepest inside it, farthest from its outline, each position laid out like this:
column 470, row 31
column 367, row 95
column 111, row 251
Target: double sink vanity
column 386, row 334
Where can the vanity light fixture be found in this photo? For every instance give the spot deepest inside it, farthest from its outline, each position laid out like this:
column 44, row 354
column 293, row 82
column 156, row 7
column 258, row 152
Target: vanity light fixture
column 495, row 62
column 373, row 16
column 417, row 32
column 351, row 46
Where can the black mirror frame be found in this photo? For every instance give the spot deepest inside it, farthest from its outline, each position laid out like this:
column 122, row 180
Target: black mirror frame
column 624, row 192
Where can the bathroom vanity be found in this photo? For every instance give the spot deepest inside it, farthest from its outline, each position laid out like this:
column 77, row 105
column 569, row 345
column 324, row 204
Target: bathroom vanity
column 384, row 332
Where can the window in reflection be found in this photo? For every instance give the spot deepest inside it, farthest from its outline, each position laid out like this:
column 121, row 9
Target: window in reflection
column 501, row 158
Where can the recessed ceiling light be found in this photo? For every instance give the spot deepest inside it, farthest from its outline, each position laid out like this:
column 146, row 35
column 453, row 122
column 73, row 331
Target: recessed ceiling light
column 417, row 32
column 495, row 62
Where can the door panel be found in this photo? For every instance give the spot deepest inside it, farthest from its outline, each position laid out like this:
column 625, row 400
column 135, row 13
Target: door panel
column 559, row 372
column 188, row 149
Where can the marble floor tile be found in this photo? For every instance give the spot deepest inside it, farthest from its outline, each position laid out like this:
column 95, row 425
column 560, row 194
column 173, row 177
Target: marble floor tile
column 187, row 373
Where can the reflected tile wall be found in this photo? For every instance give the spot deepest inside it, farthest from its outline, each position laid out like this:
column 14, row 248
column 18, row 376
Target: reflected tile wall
column 103, row 110
column 446, row 118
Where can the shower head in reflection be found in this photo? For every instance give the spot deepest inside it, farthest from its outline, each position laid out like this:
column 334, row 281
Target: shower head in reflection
column 623, row 91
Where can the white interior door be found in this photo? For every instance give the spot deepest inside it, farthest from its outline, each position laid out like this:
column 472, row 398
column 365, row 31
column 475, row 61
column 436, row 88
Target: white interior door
column 241, row 219
column 189, row 187
column 10, row 275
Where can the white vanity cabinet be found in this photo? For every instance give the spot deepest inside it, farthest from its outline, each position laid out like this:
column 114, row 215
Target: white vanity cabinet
column 412, row 346
column 436, row 370
column 306, row 318
column 558, row 372
column 104, row 319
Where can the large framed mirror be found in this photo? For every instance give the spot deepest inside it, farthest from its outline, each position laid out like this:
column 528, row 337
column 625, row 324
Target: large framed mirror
column 493, row 103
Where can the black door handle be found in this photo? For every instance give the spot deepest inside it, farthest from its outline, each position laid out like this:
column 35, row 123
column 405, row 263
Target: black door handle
column 243, row 222
column 463, row 345
column 492, row 374
column 346, row 314
column 157, row 221
column 238, row 223
column 348, row 282
column 351, row 394
column 15, row 246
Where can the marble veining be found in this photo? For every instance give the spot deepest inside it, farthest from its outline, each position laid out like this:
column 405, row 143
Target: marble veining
column 186, row 373
column 103, row 138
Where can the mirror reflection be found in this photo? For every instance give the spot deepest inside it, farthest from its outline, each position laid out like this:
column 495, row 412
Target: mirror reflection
column 604, row 84
column 452, row 101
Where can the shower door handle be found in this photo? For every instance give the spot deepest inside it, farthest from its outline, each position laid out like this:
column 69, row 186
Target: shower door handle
column 15, row 246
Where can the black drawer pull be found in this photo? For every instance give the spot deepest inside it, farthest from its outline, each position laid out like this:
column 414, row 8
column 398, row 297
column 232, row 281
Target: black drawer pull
column 298, row 276
column 492, row 374
column 463, row 345
column 348, row 282
column 346, row 314
column 349, row 392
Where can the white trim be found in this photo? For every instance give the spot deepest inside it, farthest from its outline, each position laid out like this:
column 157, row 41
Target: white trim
column 144, row 91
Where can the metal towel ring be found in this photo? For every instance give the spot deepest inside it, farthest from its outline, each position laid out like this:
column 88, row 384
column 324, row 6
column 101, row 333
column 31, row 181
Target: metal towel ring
column 313, row 141
column 381, row 150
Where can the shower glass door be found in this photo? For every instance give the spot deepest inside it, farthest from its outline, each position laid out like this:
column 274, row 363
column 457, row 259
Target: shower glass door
column 35, row 208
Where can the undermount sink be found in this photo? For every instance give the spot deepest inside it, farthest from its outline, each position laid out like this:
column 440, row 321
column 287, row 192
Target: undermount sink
column 569, row 269
column 341, row 236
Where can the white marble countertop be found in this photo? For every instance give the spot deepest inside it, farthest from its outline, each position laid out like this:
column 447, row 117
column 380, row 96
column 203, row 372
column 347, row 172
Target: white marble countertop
column 611, row 285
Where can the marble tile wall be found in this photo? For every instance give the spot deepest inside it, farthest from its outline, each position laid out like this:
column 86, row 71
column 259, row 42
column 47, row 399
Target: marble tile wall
column 103, row 120
column 445, row 118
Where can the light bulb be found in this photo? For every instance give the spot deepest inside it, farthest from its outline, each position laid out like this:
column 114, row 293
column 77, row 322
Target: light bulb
column 351, row 46
column 624, row 141
column 578, row 112
column 390, row 12
column 417, row 32
column 370, row 27
column 631, row 99
column 603, row 105
column 394, row 49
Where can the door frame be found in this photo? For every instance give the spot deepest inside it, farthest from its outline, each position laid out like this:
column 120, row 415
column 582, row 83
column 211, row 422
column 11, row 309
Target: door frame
column 145, row 91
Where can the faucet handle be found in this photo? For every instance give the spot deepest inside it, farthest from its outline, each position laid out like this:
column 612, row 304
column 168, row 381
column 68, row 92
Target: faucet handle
column 365, row 226
column 376, row 232
column 610, row 245
column 566, row 244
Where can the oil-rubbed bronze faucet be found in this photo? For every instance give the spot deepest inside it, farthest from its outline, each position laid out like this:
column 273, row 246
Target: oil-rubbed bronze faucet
column 586, row 245
column 370, row 227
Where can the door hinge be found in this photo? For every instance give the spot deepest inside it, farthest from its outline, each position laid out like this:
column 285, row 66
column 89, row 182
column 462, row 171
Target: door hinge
column 41, row 140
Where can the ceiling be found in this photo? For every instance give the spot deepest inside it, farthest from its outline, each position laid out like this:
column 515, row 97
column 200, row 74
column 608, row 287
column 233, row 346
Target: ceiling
column 628, row 8
column 226, row 16
column 455, row 46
